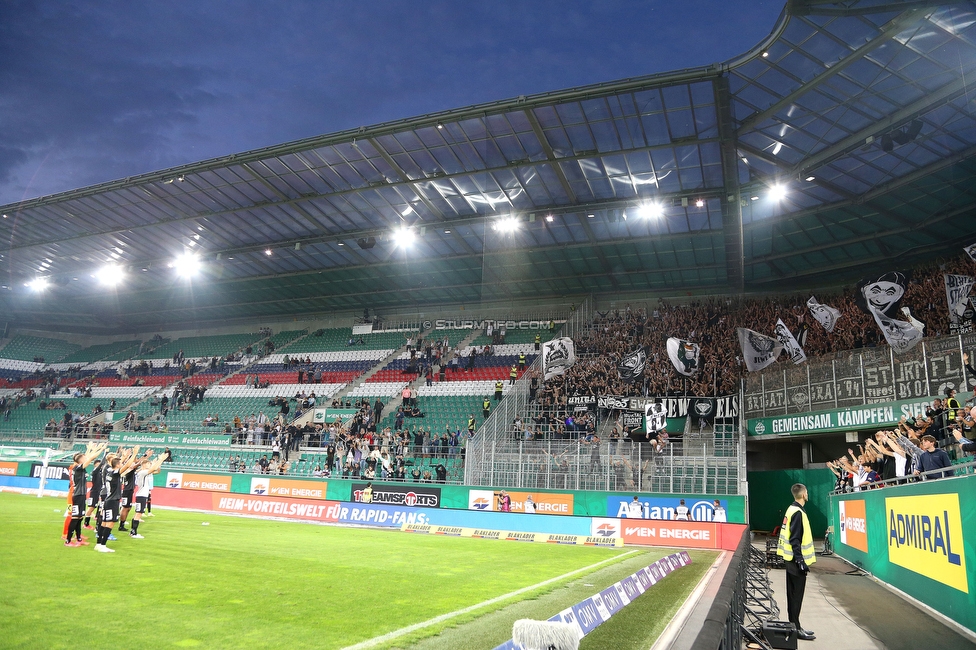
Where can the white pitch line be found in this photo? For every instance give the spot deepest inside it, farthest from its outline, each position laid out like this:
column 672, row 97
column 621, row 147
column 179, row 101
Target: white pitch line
column 389, row 636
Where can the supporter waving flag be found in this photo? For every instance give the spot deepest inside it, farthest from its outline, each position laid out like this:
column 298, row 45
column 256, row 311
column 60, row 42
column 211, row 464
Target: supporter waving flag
column 631, row 367
column 824, row 314
column 758, row 350
column 557, row 355
column 793, row 349
column 685, row 356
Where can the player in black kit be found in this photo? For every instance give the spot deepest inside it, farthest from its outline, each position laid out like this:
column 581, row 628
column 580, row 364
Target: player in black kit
column 94, row 501
column 116, row 467
column 76, row 490
column 128, row 494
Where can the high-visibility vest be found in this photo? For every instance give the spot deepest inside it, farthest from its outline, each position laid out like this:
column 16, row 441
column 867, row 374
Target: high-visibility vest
column 784, row 550
column 471, row 423
column 538, row 339
column 498, row 386
column 486, row 404
column 522, row 359
column 514, row 373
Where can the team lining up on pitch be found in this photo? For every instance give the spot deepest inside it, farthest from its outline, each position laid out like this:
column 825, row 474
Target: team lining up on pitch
column 116, row 479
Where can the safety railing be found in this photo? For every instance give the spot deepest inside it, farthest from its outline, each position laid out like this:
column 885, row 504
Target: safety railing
column 859, row 377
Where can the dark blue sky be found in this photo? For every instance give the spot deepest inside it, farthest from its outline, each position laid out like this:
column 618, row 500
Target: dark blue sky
column 93, row 91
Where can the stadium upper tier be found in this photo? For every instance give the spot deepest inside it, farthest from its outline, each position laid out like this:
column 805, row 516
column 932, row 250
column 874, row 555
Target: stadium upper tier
column 116, row 351
column 337, row 340
column 29, row 348
column 217, row 345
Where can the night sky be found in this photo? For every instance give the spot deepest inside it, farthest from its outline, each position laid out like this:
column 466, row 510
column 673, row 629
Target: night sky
column 94, row 91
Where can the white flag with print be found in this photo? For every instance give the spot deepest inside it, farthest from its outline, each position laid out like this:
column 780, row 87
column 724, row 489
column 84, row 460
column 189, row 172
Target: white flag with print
column 824, row 314
column 557, row 355
column 901, row 336
column 790, row 344
column 758, row 350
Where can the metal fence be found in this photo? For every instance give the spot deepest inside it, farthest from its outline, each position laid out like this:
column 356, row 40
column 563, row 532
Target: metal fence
column 856, row 378
column 690, row 466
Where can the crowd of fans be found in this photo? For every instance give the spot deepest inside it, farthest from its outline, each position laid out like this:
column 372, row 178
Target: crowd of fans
column 712, row 324
column 915, row 451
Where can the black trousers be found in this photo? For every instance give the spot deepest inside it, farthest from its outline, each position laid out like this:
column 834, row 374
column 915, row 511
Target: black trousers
column 796, row 583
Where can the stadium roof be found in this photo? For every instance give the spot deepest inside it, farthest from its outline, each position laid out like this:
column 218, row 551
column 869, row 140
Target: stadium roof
column 863, row 112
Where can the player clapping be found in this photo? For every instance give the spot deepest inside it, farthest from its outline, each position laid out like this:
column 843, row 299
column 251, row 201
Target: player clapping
column 76, row 491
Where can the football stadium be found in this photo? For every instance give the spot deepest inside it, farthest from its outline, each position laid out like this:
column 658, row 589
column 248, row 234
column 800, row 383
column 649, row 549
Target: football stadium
column 676, row 361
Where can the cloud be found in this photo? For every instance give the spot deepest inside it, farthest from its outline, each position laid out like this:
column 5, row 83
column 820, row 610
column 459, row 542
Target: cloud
column 98, row 91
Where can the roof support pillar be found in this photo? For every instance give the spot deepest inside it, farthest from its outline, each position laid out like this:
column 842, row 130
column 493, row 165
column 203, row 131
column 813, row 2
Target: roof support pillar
column 731, row 198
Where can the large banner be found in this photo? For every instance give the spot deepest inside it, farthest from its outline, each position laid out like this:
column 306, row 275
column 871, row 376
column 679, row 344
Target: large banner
column 959, row 302
column 557, row 355
column 919, row 538
column 675, row 407
column 169, row 439
column 884, row 415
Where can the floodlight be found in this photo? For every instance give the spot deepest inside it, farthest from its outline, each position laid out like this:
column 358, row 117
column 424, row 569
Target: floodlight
column 403, row 237
column 549, row 218
column 187, row 265
column 508, row 224
column 700, row 203
column 268, row 252
column 110, row 275
column 651, row 210
column 37, row 285
column 777, row 192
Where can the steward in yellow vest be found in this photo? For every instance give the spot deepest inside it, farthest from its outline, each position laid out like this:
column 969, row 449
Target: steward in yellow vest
column 796, row 548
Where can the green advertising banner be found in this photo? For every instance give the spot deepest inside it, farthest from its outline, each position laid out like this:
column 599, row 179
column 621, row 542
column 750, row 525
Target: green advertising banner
column 322, row 416
column 169, row 439
column 919, row 538
column 885, row 414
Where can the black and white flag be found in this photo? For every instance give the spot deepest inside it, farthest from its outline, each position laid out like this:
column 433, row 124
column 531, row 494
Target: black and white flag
column 631, row 367
column 882, row 295
column 557, row 355
column 824, row 314
column 957, row 296
column 971, row 251
column 758, row 350
column 902, row 336
column 793, row 349
column 655, row 418
column 685, row 356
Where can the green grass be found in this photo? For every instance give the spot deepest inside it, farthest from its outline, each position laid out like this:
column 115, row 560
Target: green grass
column 244, row 582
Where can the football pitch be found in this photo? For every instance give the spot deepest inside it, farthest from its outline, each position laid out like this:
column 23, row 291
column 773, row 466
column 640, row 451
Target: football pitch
column 211, row 581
